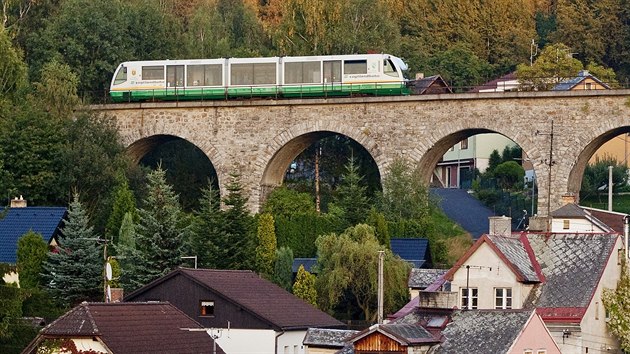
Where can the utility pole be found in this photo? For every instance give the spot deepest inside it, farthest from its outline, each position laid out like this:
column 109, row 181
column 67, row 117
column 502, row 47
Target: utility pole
column 317, row 199
column 381, row 256
column 549, row 164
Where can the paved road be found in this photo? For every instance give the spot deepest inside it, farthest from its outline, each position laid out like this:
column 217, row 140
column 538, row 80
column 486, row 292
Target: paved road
column 464, row 209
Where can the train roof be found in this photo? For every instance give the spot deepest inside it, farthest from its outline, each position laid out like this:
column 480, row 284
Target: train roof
column 399, row 62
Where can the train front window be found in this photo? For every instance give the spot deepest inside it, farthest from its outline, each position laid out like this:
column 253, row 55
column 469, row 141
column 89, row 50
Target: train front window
column 121, row 75
column 389, row 68
column 152, row 73
column 355, row 67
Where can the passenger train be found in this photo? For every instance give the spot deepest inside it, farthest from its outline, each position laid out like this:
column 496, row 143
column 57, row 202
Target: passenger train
column 312, row 76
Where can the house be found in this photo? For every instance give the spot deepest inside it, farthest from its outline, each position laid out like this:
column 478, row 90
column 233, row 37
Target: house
column 582, row 81
column 413, row 250
column 19, row 219
column 420, row 279
column 393, row 338
column 560, row 275
column 455, row 169
column 254, row 314
column 505, row 83
column 326, row 341
column 124, row 328
column 573, row 218
column 497, row 332
column 430, row 85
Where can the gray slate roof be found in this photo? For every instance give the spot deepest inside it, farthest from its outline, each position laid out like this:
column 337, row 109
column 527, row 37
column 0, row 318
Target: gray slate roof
column 515, row 252
column 421, row 278
column 574, row 211
column 482, row 331
column 330, row 338
column 572, row 265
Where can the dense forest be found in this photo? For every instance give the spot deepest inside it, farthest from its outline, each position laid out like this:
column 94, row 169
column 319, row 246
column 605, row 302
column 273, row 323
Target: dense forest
column 466, row 42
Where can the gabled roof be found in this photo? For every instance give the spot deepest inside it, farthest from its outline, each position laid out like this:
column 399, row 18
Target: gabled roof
column 412, row 250
column 613, row 219
column 573, row 265
column 405, row 334
column 131, row 328
column 569, row 84
column 327, row 338
column 431, row 85
column 18, row 221
column 258, row 296
column 574, row 211
column 514, row 252
column 483, row 331
column 421, row 278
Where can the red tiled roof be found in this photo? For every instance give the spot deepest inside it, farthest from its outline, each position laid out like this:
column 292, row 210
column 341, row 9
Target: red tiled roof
column 134, row 328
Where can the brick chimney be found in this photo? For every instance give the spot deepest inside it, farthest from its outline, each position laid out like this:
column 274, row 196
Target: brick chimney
column 18, row 203
column 500, row 226
column 568, row 198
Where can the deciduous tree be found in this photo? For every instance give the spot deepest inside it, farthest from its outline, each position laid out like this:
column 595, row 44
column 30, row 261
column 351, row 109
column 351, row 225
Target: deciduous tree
column 554, row 64
column 617, row 304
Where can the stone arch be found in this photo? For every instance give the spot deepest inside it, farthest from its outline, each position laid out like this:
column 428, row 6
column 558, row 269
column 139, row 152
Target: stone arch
column 287, row 145
column 574, row 182
column 140, row 147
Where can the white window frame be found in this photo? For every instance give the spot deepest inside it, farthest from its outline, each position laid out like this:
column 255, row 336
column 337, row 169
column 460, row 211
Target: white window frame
column 503, row 296
column 472, row 294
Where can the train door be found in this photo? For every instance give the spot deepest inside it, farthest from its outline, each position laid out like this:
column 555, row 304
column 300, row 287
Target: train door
column 332, row 75
column 174, row 78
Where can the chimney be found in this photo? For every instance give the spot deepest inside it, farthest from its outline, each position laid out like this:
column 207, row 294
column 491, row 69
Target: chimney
column 117, row 295
column 539, row 223
column 18, row 203
column 500, row 226
column 419, row 76
column 568, row 198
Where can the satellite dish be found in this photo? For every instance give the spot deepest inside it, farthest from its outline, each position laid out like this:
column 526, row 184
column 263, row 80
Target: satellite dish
column 108, row 271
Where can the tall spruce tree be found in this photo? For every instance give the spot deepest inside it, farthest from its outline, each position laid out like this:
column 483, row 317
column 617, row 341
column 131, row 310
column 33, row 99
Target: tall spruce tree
column 74, row 273
column 208, row 229
column 283, row 268
column 132, row 263
column 352, row 195
column 238, row 229
column 161, row 232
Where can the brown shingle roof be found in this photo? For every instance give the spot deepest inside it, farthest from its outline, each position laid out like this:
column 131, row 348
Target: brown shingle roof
column 258, row 296
column 133, row 328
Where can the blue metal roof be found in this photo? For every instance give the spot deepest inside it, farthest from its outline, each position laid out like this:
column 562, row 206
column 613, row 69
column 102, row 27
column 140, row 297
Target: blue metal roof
column 18, row 221
column 413, row 250
column 308, row 264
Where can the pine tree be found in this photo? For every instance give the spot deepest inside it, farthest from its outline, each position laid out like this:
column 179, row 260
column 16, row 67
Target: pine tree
column 132, row 262
column 238, row 229
column 124, row 202
column 208, row 229
column 74, row 273
column 351, row 195
column 283, row 269
column 304, row 286
column 160, row 234
column 266, row 249
column 32, row 252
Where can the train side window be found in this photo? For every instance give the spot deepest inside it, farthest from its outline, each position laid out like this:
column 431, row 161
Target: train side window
column 265, row 74
column 307, row 72
column 354, row 67
column 174, row 76
column 204, row 75
column 389, row 68
column 121, row 76
column 332, row 71
column 153, row 73
column 242, row 74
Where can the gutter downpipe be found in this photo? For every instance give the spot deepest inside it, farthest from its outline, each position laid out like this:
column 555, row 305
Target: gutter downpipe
column 625, row 234
column 276, row 340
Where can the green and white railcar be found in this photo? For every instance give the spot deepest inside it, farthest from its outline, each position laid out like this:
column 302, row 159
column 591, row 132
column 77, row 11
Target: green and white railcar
column 313, row 76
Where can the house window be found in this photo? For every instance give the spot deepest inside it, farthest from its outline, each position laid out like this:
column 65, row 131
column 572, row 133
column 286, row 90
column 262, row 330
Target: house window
column 541, row 351
column 565, row 224
column 528, row 351
column 503, row 298
column 207, row 308
column 589, row 85
column 469, row 298
column 464, row 143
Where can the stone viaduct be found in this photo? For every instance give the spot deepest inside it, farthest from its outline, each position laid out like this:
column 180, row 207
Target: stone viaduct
column 260, row 138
